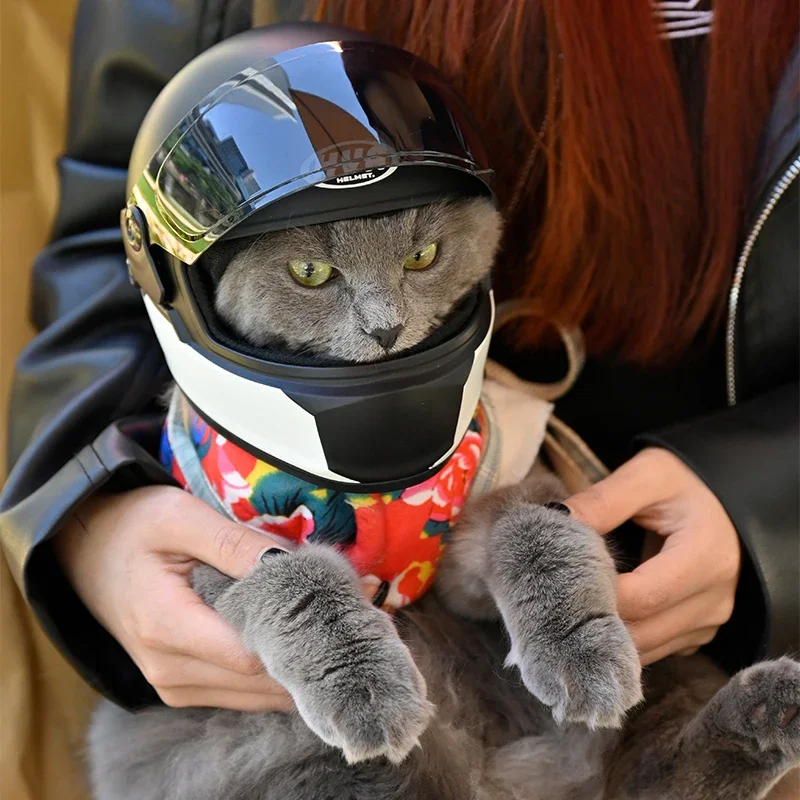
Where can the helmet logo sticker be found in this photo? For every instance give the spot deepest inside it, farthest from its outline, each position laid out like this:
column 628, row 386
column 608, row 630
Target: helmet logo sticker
column 357, row 178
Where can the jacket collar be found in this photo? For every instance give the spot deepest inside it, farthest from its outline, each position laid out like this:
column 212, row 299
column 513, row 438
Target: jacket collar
column 781, row 137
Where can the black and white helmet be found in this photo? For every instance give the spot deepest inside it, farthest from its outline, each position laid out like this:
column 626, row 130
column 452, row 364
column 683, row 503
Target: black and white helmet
column 305, row 123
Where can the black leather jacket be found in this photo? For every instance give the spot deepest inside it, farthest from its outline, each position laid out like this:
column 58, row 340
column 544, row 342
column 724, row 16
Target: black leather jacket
column 82, row 412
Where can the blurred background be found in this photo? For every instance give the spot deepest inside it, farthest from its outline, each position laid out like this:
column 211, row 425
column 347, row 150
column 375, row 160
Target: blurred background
column 43, row 704
column 34, row 67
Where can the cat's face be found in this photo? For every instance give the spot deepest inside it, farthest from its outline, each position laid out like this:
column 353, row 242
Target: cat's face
column 372, row 297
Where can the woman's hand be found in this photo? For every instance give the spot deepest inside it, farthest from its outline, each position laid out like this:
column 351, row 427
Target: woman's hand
column 675, row 601
column 129, row 557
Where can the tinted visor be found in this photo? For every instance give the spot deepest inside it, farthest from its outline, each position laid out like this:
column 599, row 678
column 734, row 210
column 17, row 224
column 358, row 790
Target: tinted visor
column 335, row 116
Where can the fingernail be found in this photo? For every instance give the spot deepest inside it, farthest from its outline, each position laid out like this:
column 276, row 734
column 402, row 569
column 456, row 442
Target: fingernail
column 268, row 552
column 560, row 507
column 380, row 596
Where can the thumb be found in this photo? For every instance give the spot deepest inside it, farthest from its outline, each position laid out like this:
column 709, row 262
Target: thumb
column 232, row 548
column 617, row 498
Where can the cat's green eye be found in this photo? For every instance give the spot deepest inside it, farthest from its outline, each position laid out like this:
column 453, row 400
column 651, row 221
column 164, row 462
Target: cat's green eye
column 310, row 273
column 422, row 259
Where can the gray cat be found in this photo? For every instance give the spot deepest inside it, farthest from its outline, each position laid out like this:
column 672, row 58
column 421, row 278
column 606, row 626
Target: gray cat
column 514, row 679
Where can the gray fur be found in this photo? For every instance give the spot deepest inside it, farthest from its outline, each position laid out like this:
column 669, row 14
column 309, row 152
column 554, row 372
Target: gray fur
column 357, row 688
column 490, row 739
column 513, row 677
column 552, row 580
column 261, row 301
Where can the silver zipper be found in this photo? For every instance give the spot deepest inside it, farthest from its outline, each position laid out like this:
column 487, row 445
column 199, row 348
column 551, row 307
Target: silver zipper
column 778, row 191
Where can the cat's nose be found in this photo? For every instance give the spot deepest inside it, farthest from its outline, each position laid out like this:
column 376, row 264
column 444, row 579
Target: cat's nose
column 386, row 336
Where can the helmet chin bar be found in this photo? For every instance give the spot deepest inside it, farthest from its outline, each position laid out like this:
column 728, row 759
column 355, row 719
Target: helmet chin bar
column 296, row 430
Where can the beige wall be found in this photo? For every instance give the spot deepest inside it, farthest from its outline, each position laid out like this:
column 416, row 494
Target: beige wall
column 43, row 704
column 34, row 64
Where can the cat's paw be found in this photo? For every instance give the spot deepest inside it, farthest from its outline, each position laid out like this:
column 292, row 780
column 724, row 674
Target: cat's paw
column 555, row 585
column 351, row 677
column 591, row 676
column 760, row 706
column 372, row 710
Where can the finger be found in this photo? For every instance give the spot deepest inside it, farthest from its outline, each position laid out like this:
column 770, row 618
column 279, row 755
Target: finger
column 619, row 497
column 699, row 611
column 369, row 586
column 183, row 672
column 199, row 697
column 209, row 537
column 694, row 639
column 678, row 572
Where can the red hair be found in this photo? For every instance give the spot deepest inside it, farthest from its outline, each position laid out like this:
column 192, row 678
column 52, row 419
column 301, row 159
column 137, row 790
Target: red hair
column 628, row 223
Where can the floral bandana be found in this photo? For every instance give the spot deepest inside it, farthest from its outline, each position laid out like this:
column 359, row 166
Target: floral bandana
column 396, row 538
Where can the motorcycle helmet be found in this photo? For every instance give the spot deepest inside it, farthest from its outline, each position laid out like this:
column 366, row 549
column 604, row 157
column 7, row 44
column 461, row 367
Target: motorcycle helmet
column 299, row 124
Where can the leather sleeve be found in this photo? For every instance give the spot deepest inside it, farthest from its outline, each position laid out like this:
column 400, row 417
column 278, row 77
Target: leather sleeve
column 96, row 360
column 748, row 456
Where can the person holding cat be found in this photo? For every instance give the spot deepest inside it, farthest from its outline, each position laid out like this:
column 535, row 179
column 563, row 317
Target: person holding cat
column 647, row 170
